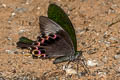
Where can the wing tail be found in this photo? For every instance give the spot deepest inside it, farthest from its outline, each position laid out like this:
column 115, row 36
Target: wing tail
column 24, row 43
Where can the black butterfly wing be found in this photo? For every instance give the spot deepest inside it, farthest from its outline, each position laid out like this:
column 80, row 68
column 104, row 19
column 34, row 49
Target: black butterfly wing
column 61, row 47
column 48, row 26
column 58, row 15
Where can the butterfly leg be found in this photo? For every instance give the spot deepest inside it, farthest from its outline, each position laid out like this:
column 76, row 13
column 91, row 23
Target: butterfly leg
column 85, row 65
column 79, row 58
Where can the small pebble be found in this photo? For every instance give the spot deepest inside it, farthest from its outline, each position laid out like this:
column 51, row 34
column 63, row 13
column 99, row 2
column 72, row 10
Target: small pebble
column 92, row 63
column 38, row 8
column 21, row 31
column 69, row 71
column 9, row 38
column 117, row 56
column 102, row 74
column 113, row 38
column 107, row 43
column 28, row 1
column 20, row 10
column 9, row 51
column 4, row 5
column 13, row 14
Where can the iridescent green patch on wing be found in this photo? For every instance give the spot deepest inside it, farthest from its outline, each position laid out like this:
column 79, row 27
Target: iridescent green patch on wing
column 25, row 40
column 59, row 16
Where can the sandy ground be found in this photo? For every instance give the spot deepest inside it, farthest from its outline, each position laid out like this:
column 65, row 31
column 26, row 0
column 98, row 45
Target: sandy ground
column 97, row 25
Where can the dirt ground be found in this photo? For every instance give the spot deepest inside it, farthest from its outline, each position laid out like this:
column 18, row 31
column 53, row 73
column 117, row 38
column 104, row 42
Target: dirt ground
column 97, row 25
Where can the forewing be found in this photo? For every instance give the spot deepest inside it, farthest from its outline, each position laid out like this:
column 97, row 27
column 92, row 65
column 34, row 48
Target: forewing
column 59, row 16
column 48, row 26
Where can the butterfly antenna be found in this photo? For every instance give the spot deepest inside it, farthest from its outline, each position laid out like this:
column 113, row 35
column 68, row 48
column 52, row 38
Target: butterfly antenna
column 80, row 57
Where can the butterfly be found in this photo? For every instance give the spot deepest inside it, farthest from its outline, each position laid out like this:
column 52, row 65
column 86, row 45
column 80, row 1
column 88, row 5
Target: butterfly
column 57, row 39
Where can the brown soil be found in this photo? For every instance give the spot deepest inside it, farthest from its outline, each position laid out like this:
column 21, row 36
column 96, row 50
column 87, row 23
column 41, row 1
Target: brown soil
column 98, row 34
